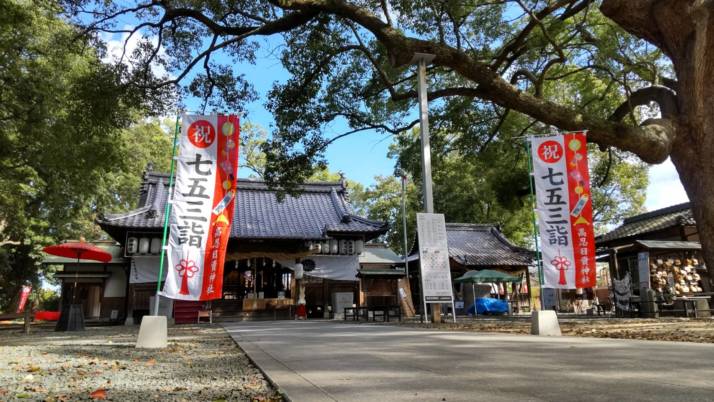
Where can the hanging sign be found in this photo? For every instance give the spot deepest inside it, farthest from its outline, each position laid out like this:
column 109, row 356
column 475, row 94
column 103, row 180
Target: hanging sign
column 434, row 258
column 202, row 210
column 564, row 208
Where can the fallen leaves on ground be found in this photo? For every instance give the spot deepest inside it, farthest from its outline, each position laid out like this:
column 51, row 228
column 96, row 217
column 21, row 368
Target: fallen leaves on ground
column 102, row 364
column 99, row 394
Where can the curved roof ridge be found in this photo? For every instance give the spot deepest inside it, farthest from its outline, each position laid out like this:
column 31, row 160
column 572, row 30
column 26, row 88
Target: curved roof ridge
column 657, row 212
column 321, row 185
column 128, row 214
column 471, row 226
column 367, row 221
column 502, row 237
column 341, row 213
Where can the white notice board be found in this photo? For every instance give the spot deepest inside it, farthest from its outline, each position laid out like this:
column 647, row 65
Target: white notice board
column 643, row 269
column 434, row 258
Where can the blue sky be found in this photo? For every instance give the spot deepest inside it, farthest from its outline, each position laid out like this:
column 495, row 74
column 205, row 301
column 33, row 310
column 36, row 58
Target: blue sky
column 363, row 156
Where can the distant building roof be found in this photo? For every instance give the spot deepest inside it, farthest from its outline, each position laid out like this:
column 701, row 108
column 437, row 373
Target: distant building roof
column 379, row 254
column 482, row 245
column 321, row 211
column 676, row 215
column 669, row 245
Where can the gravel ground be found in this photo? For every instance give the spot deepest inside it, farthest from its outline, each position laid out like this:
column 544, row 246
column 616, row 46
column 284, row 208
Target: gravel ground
column 202, row 363
column 664, row 329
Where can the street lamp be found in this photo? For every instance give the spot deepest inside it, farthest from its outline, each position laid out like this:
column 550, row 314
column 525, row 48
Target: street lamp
column 422, row 60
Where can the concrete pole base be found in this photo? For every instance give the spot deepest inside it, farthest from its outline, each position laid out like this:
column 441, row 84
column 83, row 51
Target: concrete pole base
column 153, row 333
column 545, row 323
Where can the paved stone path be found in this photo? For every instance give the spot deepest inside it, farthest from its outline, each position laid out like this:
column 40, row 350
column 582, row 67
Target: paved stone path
column 327, row 361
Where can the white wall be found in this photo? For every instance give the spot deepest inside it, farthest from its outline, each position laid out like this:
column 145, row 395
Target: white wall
column 115, row 285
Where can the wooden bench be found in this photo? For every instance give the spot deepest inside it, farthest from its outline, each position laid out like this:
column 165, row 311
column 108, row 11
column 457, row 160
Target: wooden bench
column 384, row 313
column 205, row 314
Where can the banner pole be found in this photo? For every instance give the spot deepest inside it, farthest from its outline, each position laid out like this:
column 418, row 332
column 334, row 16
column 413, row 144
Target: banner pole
column 167, row 212
column 535, row 221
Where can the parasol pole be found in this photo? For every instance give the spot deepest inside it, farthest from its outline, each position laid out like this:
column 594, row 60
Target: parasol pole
column 167, row 212
column 535, row 222
column 76, row 277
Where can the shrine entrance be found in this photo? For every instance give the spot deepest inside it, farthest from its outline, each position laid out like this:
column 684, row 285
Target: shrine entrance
column 255, row 285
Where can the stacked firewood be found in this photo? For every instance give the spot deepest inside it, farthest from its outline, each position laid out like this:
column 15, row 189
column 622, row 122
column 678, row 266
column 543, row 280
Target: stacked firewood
column 675, row 276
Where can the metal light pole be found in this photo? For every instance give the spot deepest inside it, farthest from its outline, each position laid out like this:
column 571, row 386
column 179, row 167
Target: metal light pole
column 404, row 222
column 422, row 60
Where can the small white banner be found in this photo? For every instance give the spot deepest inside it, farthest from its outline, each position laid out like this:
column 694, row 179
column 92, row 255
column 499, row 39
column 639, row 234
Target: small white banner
column 434, row 258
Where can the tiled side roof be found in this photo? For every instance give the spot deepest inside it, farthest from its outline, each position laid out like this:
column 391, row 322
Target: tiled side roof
column 480, row 245
column 321, row 210
column 676, row 215
column 484, row 245
column 379, row 254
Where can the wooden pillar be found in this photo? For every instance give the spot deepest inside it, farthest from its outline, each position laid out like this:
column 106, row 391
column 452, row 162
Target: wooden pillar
column 530, row 298
column 325, row 291
column 361, row 299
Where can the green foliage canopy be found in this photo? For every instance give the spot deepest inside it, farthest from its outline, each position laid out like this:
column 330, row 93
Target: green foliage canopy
column 62, row 116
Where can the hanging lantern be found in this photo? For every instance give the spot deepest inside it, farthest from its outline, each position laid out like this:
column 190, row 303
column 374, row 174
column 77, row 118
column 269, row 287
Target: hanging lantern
column 359, row 246
column 298, row 271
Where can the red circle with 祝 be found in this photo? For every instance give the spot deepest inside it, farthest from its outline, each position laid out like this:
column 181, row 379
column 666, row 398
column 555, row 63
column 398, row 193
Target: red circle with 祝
column 201, row 133
column 550, row 151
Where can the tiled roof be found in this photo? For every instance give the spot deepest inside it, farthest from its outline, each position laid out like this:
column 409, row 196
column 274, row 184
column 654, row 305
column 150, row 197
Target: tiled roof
column 676, row 215
column 482, row 245
column 321, row 210
column 669, row 245
column 379, row 254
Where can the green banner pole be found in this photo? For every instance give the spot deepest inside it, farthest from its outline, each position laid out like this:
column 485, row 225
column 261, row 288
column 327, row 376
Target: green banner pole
column 167, row 212
column 535, row 221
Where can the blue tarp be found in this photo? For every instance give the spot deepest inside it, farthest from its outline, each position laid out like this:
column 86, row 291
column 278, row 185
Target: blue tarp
column 487, row 305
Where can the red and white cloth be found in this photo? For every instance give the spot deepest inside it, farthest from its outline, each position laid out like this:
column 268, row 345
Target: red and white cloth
column 564, row 208
column 202, row 209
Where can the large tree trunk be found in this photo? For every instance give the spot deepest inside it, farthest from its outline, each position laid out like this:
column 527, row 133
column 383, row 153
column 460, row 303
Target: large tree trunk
column 693, row 151
column 696, row 172
column 684, row 30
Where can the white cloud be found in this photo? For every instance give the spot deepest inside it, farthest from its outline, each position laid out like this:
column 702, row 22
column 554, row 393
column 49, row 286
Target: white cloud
column 115, row 48
column 665, row 188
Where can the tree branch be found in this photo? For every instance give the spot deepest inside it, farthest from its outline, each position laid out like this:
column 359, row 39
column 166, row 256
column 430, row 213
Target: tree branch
column 663, row 96
column 650, row 142
column 390, row 130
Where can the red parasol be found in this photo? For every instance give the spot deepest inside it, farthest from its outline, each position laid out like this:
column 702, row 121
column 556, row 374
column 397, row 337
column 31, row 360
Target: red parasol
column 79, row 250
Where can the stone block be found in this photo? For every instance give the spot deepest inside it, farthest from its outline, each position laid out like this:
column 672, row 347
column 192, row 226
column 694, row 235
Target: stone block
column 545, row 323
column 153, row 333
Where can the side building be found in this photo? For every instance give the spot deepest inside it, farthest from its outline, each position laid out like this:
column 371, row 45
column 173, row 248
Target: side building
column 476, row 247
column 658, row 250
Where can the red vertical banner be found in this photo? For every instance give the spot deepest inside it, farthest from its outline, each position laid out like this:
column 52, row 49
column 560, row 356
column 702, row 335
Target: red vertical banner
column 223, row 206
column 581, row 210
